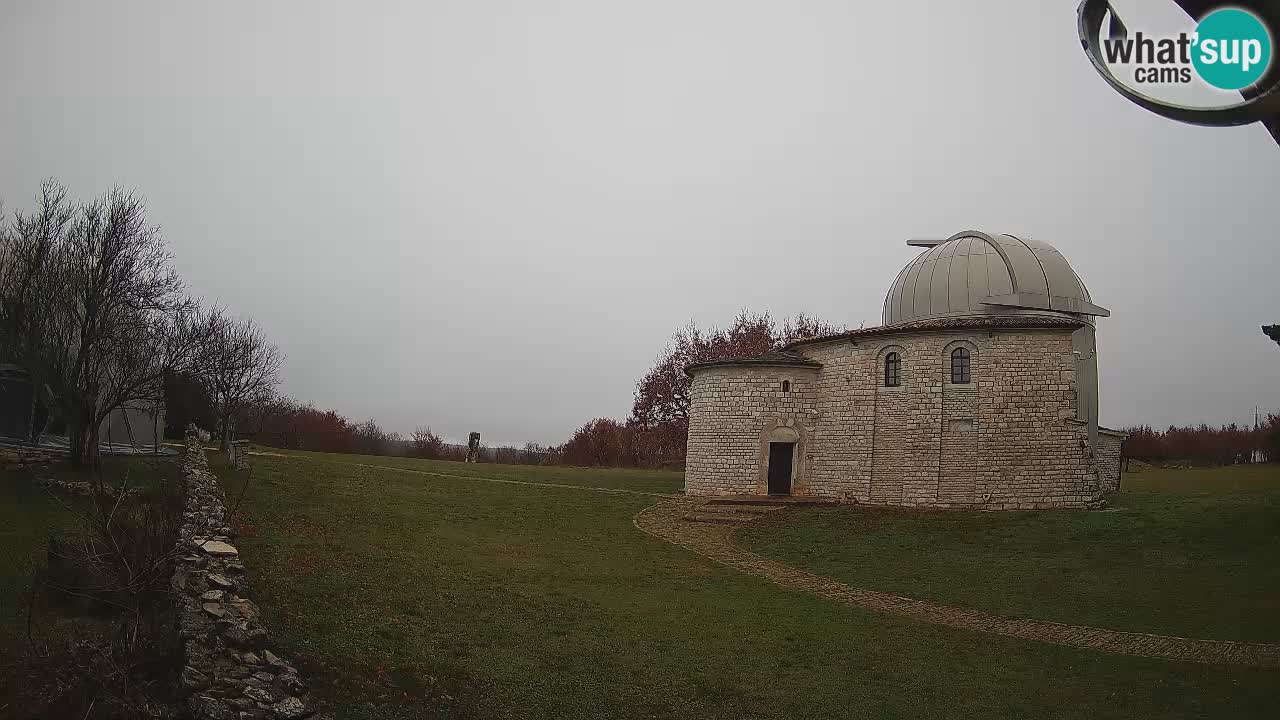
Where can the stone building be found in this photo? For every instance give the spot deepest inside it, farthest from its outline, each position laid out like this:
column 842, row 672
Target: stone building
column 980, row 390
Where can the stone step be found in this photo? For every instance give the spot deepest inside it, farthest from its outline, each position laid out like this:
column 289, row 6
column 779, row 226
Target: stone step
column 774, row 501
column 718, row 518
column 737, row 508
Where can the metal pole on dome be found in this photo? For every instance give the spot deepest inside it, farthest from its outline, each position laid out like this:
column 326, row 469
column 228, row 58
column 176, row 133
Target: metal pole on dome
column 1260, row 102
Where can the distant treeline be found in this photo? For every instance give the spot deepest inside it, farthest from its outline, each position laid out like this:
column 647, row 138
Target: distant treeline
column 284, row 423
column 1206, row 445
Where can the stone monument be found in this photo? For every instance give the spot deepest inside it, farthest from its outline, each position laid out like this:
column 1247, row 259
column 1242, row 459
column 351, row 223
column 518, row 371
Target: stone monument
column 473, row 448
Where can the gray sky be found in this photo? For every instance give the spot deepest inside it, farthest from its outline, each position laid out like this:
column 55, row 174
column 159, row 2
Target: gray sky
column 492, row 215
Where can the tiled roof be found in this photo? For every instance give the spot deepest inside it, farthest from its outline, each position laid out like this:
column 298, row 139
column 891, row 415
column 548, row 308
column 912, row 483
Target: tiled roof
column 773, row 358
column 979, row 322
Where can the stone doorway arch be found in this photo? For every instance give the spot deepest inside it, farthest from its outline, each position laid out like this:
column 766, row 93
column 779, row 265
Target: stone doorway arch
column 781, row 459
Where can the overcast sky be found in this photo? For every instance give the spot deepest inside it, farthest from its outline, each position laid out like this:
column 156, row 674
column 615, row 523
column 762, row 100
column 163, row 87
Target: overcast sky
column 492, row 215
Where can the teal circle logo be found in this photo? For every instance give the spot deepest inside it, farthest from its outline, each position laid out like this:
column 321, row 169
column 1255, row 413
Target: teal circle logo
column 1232, row 49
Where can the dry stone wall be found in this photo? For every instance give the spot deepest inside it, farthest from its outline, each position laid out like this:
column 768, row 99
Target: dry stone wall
column 1007, row 440
column 83, row 488
column 230, row 673
column 20, row 457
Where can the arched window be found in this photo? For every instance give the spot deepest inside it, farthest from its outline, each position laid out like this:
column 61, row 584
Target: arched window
column 960, row 366
column 892, row 370
column 786, row 386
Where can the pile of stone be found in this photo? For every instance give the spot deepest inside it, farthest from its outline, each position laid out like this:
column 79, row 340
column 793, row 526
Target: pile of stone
column 81, row 487
column 12, row 458
column 230, row 672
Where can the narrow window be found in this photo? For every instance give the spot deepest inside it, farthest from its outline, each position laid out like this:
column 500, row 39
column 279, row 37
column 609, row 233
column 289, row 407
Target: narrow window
column 960, row 366
column 786, row 386
column 892, row 370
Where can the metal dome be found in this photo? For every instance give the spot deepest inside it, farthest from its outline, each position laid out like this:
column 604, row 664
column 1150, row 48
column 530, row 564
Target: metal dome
column 975, row 273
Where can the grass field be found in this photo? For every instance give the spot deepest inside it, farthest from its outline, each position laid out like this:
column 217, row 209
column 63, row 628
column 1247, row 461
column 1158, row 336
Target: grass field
column 411, row 588
column 1190, row 552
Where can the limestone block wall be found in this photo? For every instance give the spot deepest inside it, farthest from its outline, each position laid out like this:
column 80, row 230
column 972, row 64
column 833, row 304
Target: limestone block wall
column 731, row 411
column 1006, row 440
column 1110, row 454
column 1034, row 453
column 960, row 454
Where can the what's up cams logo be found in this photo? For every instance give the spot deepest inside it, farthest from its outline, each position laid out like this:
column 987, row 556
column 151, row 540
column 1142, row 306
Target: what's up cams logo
column 1229, row 49
column 1222, row 64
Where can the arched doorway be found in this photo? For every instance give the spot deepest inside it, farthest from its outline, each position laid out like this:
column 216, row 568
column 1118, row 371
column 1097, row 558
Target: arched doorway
column 782, row 456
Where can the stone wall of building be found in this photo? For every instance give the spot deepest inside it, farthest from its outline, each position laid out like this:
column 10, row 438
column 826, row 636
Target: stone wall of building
column 230, row 672
column 732, row 410
column 1110, row 457
column 1007, row 440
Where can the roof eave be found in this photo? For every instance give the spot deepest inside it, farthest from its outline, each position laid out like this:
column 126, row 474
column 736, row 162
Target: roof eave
column 747, row 362
column 940, row 325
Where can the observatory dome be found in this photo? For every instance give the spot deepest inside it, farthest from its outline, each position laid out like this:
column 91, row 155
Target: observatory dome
column 974, row 273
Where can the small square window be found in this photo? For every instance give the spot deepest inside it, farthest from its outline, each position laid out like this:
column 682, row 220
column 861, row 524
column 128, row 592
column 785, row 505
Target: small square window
column 786, row 386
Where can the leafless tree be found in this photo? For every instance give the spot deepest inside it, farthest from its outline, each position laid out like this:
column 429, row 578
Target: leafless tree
column 91, row 306
column 370, row 439
column 427, row 444
column 30, row 275
column 240, row 369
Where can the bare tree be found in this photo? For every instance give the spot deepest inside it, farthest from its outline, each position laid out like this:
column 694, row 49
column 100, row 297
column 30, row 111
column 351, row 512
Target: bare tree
column 91, row 306
column 240, row 369
column 427, row 444
column 30, row 274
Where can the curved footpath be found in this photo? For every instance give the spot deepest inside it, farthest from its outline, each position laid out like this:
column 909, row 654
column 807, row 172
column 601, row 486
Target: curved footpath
column 666, row 520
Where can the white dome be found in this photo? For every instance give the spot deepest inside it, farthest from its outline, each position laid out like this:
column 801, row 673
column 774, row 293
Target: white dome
column 975, row 273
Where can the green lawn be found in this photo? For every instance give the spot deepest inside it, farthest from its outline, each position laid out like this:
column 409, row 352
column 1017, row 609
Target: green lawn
column 406, row 594
column 27, row 517
column 644, row 481
column 1183, row 552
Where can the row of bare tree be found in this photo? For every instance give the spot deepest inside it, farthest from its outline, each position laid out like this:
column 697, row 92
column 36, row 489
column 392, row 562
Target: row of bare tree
column 284, row 423
column 93, row 309
column 1206, row 445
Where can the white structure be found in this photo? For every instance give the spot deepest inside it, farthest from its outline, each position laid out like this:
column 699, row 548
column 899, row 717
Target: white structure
column 137, row 425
